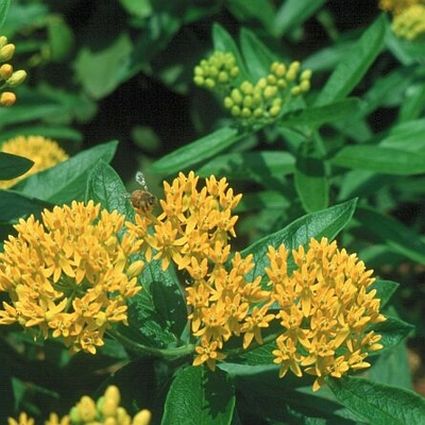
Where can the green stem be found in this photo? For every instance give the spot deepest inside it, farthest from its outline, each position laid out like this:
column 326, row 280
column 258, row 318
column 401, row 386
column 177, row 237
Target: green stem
column 165, row 353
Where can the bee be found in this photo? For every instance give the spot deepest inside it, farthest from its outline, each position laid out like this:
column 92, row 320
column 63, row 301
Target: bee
column 142, row 200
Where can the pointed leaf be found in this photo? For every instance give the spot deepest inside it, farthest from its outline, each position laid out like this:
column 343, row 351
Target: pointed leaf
column 12, row 166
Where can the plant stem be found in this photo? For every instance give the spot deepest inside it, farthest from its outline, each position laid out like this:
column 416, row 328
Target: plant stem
column 165, row 353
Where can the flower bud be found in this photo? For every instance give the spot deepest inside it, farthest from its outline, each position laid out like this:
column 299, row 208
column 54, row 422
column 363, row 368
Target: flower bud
column 142, row 418
column 7, row 98
column 135, row 269
column 6, row 52
column 6, row 71
column 17, row 78
column 3, row 41
column 87, row 409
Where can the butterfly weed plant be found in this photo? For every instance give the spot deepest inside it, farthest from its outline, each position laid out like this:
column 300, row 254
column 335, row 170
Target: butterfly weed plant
column 255, row 286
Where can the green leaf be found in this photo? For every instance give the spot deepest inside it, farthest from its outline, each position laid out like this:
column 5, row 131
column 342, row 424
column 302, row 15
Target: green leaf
column 105, row 186
column 293, row 13
column 268, row 199
column 256, row 55
column 100, row 72
column 385, row 289
column 317, row 116
column 197, row 151
column 377, row 403
column 61, row 133
column 139, row 8
column 198, row 396
column 12, row 166
column 4, row 8
column 396, row 235
column 67, row 180
column 311, row 182
column 224, row 42
column 262, row 167
column 261, row 10
column 14, row 205
column 27, row 112
column 354, row 66
column 61, row 38
column 380, row 159
column 413, row 104
column 409, row 136
column 328, row 223
column 393, row 331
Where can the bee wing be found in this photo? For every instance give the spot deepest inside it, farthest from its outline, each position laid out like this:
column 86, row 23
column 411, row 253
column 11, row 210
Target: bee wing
column 140, row 178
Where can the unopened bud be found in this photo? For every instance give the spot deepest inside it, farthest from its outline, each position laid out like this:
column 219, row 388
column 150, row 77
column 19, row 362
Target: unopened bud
column 17, row 78
column 133, row 271
column 6, row 52
column 6, row 71
column 3, row 41
column 142, row 418
column 7, row 98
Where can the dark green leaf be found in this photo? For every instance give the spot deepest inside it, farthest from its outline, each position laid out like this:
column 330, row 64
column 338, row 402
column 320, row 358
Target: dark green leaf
column 22, row 113
column 385, row 290
column 223, row 42
column 261, row 10
column 409, row 136
column 380, row 159
column 379, row 404
column 397, row 236
column 4, row 7
column 268, row 199
column 355, row 64
column 256, row 55
column 317, row 116
column 61, row 133
column 262, row 167
column 67, row 180
column 14, row 205
column 393, row 331
column 328, row 223
column 197, row 397
column 105, row 186
column 293, row 13
column 12, row 166
column 195, row 152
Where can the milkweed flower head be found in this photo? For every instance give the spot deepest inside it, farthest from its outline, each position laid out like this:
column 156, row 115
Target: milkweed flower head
column 105, row 411
column 252, row 102
column 70, row 274
column 45, row 153
column 8, row 77
column 325, row 308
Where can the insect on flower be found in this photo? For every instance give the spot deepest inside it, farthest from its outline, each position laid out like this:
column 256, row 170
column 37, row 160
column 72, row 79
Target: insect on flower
column 142, row 200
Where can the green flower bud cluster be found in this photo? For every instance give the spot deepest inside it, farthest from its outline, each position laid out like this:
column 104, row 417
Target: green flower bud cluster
column 8, row 77
column 264, row 100
column 218, row 70
column 106, row 411
column 410, row 23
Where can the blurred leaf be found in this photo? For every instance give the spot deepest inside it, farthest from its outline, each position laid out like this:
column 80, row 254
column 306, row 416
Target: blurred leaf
column 267, row 199
column 12, row 166
column 380, row 159
column 397, row 236
column 4, row 7
column 61, row 38
column 67, row 180
column 293, row 13
column 408, row 52
column 105, row 186
column 256, row 55
column 317, row 116
column 261, row 10
column 413, row 103
column 355, row 64
column 46, row 131
column 22, row 16
column 384, row 290
column 380, row 404
column 328, row 223
column 197, row 151
column 224, row 42
column 13, row 205
column 198, row 396
column 310, row 180
column 139, row 8
column 408, row 136
column 261, row 167
column 100, row 72
column 27, row 112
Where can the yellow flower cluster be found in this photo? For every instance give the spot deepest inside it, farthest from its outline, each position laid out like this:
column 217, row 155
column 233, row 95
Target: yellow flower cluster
column 397, row 6
column 263, row 101
column 106, row 411
column 45, row 153
column 8, row 77
column 70, row 274
column 325, row 308
column 219, row 69
column 410, row 23
column 259, row 102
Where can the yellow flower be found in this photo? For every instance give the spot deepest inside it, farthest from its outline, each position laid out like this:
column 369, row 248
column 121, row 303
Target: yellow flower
column 410, row 23
column 23, row 419
column 70, row 274
column 44, row 152
column 207, row 353
column 397, row 6
column 325, row 308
